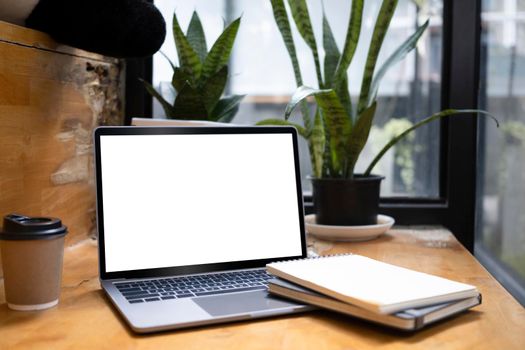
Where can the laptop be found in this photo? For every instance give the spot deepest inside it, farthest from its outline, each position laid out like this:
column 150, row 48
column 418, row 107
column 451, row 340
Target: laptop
column 188, row 217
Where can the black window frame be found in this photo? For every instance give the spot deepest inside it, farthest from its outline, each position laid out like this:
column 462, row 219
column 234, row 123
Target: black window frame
column 455, row 207
column 138, row 102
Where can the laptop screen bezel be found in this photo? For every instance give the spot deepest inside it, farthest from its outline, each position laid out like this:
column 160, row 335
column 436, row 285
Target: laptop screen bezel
column 185, row 130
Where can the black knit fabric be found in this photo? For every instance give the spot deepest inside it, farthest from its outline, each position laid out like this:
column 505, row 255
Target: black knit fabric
column 118, row 28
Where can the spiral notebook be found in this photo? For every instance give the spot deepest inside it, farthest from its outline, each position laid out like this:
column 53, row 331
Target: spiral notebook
column 373, row 285
column 409, row 320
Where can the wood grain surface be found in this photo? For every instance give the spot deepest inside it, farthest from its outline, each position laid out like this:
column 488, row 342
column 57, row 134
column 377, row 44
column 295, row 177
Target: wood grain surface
column 51, row 98
column 85, row 319
column 32, row 38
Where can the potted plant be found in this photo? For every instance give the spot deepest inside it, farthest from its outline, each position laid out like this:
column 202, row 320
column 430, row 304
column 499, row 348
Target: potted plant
column 339, row 130
column 199, row 81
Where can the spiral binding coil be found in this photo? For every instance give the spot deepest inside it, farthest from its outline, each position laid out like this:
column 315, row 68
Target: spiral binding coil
column 312, row 258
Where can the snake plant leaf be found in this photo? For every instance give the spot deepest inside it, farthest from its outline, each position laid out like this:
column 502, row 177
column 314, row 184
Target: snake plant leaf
column 337, row 122
column 187, row 56
column 358, row 137
column 327, row 159
column 338, row 127
column 181, row 77
column 220, row 51
column 435, row 116
column 189, row 104
column 382, row 23
column 173, row 66
column 317, row 145
column 281, row 19
column 196, row 36
column 225, row 106
column 213, row 87
column 299, row 95
column 301, row 18
column 280, row 122
column 352, row 38
column 331, row 60
column 229, row 115
column 305, row 111
column 398, row 55
column 343, row 94
column 331, row 50
column 168, row 108
column 419, row 3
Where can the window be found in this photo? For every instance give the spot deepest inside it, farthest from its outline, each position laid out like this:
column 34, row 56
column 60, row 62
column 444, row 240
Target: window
column 500, row 240
column 443, row 73
column 260, row 68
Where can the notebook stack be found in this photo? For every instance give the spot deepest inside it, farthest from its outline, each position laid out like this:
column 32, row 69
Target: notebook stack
column 372, row 290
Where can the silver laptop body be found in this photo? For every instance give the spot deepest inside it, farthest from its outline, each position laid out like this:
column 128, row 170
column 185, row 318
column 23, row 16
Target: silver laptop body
column 179, row 206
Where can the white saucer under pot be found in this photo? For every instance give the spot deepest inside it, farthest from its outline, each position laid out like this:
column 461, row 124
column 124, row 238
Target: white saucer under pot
column 349, row 233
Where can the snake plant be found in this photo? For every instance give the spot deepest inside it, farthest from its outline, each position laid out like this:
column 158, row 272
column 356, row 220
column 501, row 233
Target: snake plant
column 200, row 79
column 338, row 131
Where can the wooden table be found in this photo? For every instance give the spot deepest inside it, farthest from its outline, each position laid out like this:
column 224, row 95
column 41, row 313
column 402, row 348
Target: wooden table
column 84, row 318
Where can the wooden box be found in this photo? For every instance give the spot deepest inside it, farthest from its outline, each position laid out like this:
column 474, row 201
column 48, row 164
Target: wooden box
column 51, row 98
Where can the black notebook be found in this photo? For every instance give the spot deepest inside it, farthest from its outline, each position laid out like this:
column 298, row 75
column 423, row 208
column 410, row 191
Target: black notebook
column 410, row 319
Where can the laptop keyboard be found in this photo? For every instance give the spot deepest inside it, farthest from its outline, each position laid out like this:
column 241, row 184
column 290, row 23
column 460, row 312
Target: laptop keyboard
column 193, row 286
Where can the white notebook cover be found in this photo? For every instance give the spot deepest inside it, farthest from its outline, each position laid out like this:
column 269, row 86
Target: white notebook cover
column 371, row 284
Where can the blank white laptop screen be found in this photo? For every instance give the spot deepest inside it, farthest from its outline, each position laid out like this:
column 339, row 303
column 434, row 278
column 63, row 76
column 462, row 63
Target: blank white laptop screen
column 178, row 200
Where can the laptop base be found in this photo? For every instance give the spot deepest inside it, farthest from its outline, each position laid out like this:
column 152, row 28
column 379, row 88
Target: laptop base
column 191, row 312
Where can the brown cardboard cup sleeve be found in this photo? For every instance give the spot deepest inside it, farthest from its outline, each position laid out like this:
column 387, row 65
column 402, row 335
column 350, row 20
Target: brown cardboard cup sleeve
column 32, row 255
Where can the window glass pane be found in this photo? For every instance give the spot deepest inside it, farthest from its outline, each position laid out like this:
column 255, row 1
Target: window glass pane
column 260, row 67
column 492, row 5
column 502, row 182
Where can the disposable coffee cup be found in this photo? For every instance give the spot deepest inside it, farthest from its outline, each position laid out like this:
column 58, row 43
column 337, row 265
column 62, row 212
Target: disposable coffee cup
column 32, row 255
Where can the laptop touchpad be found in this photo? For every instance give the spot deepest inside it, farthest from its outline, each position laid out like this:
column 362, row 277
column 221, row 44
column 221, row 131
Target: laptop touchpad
column 236, row 303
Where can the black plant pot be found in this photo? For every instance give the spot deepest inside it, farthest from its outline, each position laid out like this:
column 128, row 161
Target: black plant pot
column 347, row 202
